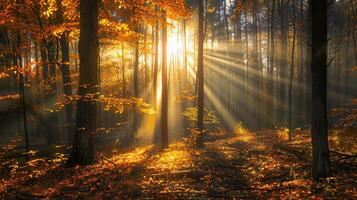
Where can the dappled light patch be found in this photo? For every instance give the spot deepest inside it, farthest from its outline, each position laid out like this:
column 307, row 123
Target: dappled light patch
column 175, row 158
column 283, row 133
column 132, row 157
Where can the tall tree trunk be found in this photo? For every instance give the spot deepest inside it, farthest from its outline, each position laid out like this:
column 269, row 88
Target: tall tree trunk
column 17, row 59
column 66, row 78
column 136, row 82
column 200, row 77
column 67, row 85
column 164, row 95
column 255, row 37
column 272, row 54
column 283, row 57
column 353, row 33
column 83, row 146
column 156, row 62
column 272, row 40
column 292, row 71
column 307, row 92
column 226, row 24
column 145, row 71
column 22, row 88
column 185, row 51
column 320, row 147
column 123, row 88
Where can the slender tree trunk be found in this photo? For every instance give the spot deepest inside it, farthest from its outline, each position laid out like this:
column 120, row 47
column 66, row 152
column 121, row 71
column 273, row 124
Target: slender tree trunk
column 67, row 85
column 292, row 71
column 283, row 57
column 123, row 89
column 18, row 62
column 164, row 101
column 136, row 82
column 185, row 51
column 320, row 147
column 226, row 21
column 272, row 40
column 307, row 97
column 86, row 122
column 145, row 71
column 22, row 90
column 200, row 77
column 156, row 62
column 353, row 33
column 66, row 78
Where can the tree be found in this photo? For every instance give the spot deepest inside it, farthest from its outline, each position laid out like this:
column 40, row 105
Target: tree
column 292, row 70
column 164, row 101
column 282, row 7
column 200, row 77
column 320, row 148
column 66, row 78
column 83, row 146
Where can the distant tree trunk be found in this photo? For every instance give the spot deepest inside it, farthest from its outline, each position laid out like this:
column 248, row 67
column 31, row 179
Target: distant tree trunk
column 83, row 146
column 156, row 62
column 123, row 89
column 246, row 40
column 301, row 44
column 292, row 71
column 301, row 56
column 307, row 97
column 255, row 37
column 164, row 101
column 136, row 82
column 320, row 147
column 17, row 61
column 200, row 77
column 238, row 37
column 22, row 89
column 354, row 32
column 226, row 21
column 66, row 78
column 185, row 51
column 272, row 51
column 44, row 61
column 283, row 52
column 272, row 40
column 259, row 41
column 347, row 60
column 136, row 66
column 354, row 46
column 145, row 71
column 51, row 49
column 67, row 84
column 50, row 94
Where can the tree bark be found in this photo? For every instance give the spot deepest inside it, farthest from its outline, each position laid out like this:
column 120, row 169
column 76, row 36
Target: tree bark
column 200, row 77
column 164, row 94
column 320, row 148
column 156, row 62
column 66, row 78
column 83, row 146
column 292, row 71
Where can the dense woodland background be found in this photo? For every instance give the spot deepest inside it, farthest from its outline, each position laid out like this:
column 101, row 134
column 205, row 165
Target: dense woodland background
column 113, row 82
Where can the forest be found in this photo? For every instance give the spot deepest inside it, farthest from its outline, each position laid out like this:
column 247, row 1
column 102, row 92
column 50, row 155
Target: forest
column 178, row 99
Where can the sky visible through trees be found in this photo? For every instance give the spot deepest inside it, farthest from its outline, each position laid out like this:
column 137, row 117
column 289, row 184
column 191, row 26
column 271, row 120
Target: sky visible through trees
column 178, row 99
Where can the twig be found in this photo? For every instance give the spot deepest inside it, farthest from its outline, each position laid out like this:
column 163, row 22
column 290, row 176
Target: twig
column 263, row 189
column 29, row 195
column 277, row 176
column 329, row 63
column 109, row 161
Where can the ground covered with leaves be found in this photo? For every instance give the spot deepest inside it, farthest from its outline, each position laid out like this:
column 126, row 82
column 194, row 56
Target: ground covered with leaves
column 241, row 165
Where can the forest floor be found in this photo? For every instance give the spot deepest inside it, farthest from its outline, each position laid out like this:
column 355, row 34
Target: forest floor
column 241, row 165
